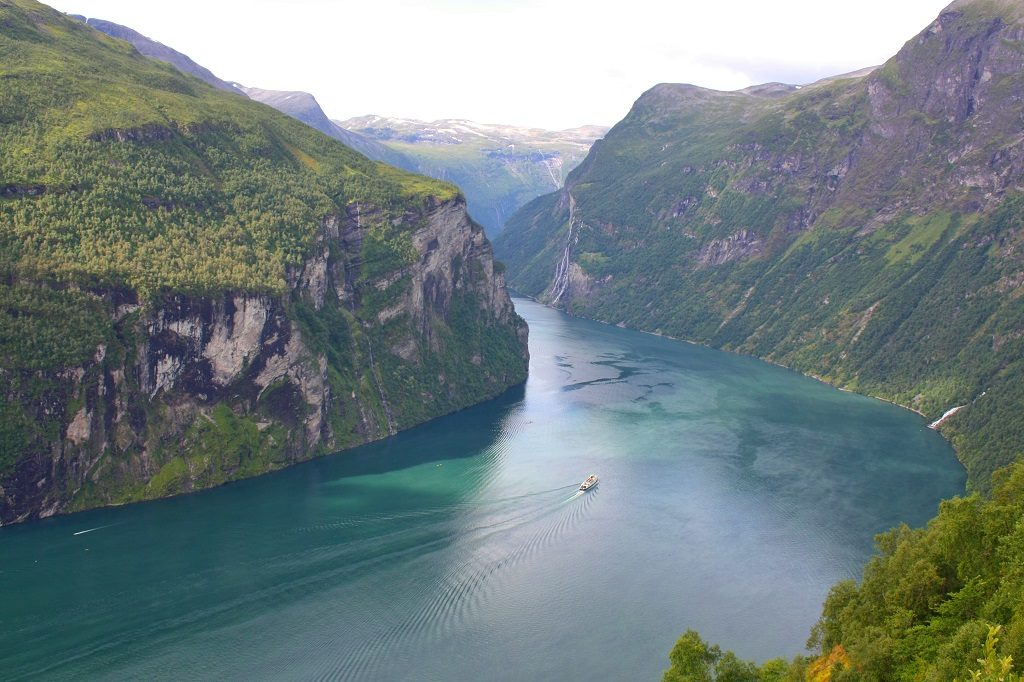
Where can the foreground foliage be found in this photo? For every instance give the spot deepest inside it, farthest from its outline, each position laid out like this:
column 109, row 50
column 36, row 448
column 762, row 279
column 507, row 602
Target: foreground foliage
column 693, row 660
column 940, row 603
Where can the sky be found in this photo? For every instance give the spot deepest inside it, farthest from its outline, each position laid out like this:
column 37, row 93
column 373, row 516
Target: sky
column 546, row 63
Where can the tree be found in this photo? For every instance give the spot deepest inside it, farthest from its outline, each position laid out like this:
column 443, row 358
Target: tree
column 692, row 660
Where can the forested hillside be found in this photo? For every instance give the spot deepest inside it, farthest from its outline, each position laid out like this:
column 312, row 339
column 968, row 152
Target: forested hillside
column 197, row 288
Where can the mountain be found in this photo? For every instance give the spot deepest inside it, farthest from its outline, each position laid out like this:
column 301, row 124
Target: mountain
column 499, row 167
column 865, row 229
column 152, row 48
column 304, row 107
column 197, row 288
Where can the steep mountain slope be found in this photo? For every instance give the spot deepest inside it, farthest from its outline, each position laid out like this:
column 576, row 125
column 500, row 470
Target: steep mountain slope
column 304, row 107
column 152, row 48
column 865, row 229
column 499, row 167
column 197, row 288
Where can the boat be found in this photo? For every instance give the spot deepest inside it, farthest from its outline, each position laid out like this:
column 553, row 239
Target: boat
column 589, row 483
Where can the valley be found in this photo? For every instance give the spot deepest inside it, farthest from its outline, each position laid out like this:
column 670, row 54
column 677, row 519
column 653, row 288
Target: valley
column 498, row 167
column 274, row 407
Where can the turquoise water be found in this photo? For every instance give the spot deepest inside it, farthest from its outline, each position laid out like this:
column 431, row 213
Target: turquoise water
column 732, row 495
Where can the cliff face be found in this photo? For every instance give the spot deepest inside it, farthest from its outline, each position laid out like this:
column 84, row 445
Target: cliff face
column 194, row 391
column 865, row 229
column 195, row 288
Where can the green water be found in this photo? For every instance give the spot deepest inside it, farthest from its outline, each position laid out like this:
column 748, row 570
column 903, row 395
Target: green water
column 732, row 495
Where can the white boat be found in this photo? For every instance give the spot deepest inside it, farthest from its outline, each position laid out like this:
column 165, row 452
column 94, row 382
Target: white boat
column 589, row 483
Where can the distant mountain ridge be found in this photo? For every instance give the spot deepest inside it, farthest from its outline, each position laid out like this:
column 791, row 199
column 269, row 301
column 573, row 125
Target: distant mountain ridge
column 500, row 167
column 867, row 229
column 455, row 130
column 304, row 107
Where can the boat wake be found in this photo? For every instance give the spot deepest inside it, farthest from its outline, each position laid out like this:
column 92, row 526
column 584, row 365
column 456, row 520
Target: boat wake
column 488, row 552
column 89, row 530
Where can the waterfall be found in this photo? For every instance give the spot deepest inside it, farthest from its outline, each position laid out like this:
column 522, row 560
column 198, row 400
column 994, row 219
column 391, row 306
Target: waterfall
column 561, row 282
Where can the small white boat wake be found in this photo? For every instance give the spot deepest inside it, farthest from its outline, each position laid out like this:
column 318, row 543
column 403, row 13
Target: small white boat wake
column 89, row 530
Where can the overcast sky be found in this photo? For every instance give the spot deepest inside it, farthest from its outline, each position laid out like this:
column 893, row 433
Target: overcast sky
column 546, row 63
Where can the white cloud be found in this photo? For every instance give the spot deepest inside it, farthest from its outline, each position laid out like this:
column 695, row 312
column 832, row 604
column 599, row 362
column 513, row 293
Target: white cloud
column 555, row 64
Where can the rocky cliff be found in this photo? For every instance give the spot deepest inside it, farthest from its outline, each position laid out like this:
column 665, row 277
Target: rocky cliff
column 191, row 391
column 864, row 229
column 195, row 289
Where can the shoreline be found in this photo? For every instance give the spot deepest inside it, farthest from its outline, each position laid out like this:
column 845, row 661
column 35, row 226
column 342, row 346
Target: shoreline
column 934, row 425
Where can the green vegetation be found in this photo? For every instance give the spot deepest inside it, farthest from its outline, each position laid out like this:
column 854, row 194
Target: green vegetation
column 693, row 660
column 994, row 668
column 784, row 225
column 923, row 234
column 121, row 171
column 925, row 604
column 41, row 328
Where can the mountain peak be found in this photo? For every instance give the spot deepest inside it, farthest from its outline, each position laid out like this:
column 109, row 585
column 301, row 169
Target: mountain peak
column 295, row 103
column 864, row 228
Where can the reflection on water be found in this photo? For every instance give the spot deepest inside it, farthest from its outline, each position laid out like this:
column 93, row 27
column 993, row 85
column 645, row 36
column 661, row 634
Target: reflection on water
column 732, row 495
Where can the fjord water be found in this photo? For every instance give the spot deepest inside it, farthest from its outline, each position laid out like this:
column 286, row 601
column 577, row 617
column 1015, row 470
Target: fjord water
column 733, row 494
